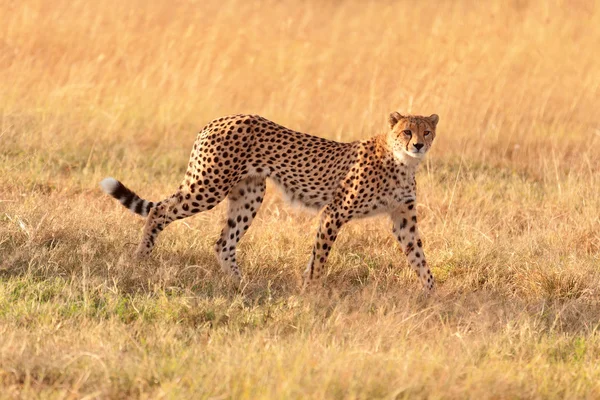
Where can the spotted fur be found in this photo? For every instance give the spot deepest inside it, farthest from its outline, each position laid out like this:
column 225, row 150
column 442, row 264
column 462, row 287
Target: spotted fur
column 234, row 155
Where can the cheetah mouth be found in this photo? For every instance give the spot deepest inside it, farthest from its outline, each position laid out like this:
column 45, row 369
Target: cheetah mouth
column 415, row 154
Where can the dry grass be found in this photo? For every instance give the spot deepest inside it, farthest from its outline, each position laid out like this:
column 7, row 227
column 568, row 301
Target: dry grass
column 509, row 201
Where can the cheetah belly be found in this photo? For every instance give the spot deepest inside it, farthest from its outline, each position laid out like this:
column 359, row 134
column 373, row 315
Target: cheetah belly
column 297, row 195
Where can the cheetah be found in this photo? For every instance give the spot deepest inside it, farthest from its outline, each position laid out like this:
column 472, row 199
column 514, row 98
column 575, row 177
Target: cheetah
column 234, row 155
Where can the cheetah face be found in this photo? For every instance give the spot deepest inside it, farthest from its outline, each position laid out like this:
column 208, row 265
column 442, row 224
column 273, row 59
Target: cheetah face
column 412, row 134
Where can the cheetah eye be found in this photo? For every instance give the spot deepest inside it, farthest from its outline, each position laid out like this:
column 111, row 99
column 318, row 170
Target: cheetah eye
column 426, row 133
column 407, row 132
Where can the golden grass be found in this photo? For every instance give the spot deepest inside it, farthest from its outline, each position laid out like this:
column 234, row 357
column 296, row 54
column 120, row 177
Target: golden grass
column 509, row 200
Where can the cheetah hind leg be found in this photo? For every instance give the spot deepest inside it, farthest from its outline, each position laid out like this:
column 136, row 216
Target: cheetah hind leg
column 245, row 199
column 180, row 205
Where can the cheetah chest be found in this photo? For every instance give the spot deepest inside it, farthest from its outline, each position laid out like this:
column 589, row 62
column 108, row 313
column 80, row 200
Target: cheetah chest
column 395, row 196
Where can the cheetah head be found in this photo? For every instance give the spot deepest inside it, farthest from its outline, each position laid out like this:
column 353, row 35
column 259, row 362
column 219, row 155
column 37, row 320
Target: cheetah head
column 411, row 134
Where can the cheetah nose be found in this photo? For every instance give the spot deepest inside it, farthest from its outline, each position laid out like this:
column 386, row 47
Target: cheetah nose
column 418, row 146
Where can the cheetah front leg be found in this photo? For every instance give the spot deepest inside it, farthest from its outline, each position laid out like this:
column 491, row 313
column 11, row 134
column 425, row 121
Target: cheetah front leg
column 331, row 222
column 406, row 231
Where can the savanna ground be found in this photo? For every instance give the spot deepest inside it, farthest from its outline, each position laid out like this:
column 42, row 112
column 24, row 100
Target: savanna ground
column 509, row 201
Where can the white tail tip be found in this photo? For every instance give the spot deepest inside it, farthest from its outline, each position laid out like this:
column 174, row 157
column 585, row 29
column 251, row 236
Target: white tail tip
column 109, row 185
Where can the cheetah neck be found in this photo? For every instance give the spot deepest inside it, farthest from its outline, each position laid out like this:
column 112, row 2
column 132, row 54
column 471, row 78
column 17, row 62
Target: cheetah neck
column 405, row 165
column 410, row 164
column 405, row 159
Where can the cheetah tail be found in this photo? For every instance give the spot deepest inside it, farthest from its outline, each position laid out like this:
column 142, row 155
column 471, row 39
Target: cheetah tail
column 127, row 197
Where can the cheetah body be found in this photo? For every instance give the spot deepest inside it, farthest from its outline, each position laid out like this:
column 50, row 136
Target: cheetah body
column 233, row 156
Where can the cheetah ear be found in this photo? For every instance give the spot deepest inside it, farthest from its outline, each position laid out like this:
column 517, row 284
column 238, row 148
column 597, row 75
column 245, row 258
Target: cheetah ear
column 394, row 118
column 433, row 118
